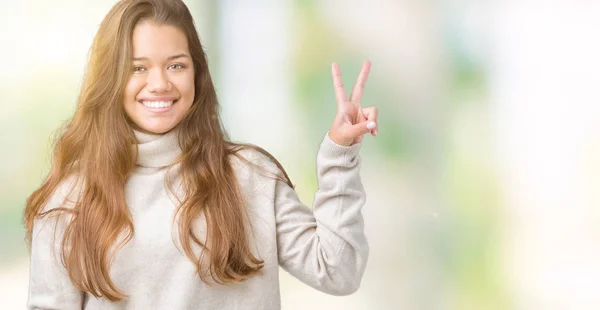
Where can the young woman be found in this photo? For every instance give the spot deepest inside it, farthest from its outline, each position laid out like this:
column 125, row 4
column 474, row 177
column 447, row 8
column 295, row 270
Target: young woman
column 148, row 205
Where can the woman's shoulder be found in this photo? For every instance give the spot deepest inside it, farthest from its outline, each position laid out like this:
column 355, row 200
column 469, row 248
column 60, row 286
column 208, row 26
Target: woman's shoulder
column 65, row 194
column 256, row 161
column 247, row 153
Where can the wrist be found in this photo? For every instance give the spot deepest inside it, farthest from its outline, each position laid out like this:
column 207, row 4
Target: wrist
column 338, row 140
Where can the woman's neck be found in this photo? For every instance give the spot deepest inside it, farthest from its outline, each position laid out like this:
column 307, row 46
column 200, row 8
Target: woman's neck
column 157, row 150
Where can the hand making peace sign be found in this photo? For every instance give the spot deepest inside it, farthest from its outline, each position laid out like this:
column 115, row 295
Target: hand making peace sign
column 351, row 121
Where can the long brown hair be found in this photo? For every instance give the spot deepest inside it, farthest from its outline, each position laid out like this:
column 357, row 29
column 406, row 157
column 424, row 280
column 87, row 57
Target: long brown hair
column 95, row 146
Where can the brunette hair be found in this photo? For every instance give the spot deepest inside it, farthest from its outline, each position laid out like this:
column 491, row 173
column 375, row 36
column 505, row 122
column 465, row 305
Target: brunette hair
column 99, row 214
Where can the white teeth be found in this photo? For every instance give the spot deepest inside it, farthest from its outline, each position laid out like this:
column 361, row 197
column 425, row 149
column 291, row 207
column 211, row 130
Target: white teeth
column 157, row 104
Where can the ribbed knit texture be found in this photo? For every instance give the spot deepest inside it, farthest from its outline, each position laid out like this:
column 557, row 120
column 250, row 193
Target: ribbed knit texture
column 324, row 247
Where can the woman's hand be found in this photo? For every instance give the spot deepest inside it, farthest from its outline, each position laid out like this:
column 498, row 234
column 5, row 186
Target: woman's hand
column 351, row 121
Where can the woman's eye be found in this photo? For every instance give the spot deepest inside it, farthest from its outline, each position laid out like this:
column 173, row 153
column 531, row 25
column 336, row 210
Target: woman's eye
column 139, row 69
column 176, row 67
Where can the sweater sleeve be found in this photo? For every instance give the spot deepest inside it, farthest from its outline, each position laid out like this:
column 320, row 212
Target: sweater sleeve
column 49, row 284
column 326, row 247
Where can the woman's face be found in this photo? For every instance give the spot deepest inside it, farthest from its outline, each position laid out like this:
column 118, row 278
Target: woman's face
column 160, row 91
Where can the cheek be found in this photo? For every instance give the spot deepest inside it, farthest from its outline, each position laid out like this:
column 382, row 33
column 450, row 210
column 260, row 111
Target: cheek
column 132, row 88
column 186, row 87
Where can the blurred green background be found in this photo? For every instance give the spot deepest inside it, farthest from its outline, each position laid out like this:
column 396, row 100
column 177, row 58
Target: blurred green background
column 482, row 182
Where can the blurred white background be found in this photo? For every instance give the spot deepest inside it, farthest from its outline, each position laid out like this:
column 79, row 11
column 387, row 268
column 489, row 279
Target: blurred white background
column 482, row 184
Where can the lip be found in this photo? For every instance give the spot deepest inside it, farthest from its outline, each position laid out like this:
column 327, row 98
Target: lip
column 157, row 99
column 158, row 110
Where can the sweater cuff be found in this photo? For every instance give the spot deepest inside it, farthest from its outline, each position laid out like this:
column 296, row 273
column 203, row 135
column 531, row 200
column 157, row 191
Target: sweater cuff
column 334, row 150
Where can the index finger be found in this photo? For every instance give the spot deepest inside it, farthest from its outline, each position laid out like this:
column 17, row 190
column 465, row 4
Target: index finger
column 338, row 84
column 359, row 86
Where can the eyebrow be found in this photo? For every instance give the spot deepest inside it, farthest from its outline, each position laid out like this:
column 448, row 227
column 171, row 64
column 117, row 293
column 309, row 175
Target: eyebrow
column 170, row 58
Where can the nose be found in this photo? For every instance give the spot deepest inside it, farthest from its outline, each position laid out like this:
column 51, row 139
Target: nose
column 158, row 82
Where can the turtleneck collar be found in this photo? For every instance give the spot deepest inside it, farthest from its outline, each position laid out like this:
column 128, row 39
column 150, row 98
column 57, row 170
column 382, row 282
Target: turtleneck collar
column 157, row 150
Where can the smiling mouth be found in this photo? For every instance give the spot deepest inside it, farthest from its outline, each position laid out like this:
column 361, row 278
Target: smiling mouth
column 158, row 105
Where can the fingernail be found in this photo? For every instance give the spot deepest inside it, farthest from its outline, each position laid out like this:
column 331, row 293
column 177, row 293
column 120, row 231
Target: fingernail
column 371, row 125
column 375, row 132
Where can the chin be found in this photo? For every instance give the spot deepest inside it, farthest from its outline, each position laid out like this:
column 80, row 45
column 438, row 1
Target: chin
column 156, row 129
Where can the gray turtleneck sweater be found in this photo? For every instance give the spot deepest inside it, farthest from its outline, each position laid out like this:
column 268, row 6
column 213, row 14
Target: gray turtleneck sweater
column 324, row 247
